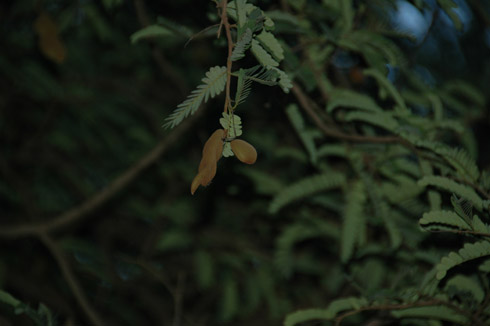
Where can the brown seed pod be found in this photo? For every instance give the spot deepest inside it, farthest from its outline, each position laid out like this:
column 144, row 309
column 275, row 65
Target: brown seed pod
column 211, row 153
column 245, row 152
column 50, row 43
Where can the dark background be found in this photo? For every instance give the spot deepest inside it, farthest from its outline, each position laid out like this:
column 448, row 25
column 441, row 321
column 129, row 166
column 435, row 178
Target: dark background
column 146, row 252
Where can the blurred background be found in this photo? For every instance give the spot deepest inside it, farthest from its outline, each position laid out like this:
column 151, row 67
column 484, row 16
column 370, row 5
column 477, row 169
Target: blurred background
column 81, row 106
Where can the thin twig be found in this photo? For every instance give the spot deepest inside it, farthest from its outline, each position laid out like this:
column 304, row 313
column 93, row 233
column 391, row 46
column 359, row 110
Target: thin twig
column 304, row 102
column 83, row 210
column 70, row 278
column 226, row 24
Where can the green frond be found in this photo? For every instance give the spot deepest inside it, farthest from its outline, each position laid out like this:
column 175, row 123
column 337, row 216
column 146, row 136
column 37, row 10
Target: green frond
column 382, row 210
column 454, row 187
column 431, row 312
column 271, row 44
column 298, row 123
column 340, row 97
column 204, row 268
column 465, row 89
column 458, row 158
column 213, row 84
column 242, row 45
column 229, row 299
column 262, row 56
column 151, row 31
column 389, row 87
column 244, row 86
column 436, row 220
column 284, row 81
column 354, row 223
column 466, row 285
column 332, row 150
column 383, row 120
column 304, row 188
column 367, row 41
column 283, row 257
column 232, row 123
column 448, row 6
column 469, row 252
column 478, row 226
column 336, row 306
column 265, row 182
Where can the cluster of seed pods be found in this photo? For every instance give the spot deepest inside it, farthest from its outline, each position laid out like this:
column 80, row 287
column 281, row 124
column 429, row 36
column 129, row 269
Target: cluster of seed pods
column 211, row 154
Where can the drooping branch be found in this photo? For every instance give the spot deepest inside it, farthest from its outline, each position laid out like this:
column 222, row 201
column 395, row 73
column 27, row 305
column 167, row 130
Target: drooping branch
column 83, row 210
column 70, row 278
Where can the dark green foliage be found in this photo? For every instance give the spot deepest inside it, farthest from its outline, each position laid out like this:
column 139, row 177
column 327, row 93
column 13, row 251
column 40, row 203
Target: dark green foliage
column 369, row 202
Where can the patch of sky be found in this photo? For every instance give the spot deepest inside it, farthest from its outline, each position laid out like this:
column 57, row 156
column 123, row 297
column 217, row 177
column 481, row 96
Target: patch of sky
column 408, row 19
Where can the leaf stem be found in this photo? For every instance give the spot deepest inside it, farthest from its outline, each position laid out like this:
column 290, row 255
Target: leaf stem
column 226, row 24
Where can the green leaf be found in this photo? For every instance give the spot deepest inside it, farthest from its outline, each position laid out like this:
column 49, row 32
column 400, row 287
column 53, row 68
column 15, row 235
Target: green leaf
column 262, row 55
column 229, row 299
column 453, row 186
column 437, row 219
column 299, row 126
column 270, row 43
column 284, row 81
column 350, row 99
column 213, row 84
column 354, row 221
column 243, row 88
column 389, row 87
column 151, row 31
column 304, row 188
column 7, row 298
column 383, row 120
column 432, row 312
column 204, row 268
column 336, row 306
column 465, row 284
column 232, row 123
column 242, row 45
column 469, row 252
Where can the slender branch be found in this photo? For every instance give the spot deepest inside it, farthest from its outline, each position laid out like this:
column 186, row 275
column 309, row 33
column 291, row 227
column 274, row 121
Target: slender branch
column 305, row 103
column 70, row 278
column 226, row 24
column 83, row 210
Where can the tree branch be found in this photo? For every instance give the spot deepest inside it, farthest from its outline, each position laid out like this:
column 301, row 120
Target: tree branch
column 70, row 278
column 305, row 103
column 83, row 210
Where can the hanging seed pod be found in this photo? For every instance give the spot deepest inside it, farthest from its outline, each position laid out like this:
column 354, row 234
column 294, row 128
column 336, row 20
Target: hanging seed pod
column 211, row 153
column 245, row 152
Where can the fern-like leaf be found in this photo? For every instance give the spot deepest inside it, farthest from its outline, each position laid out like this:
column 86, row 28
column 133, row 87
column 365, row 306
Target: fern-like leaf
column 242, row 45
column 329, row 313
column 304, row 188
column 351, row 99
column 380, row 119
column 284, row 81
column 443, row 219
column 213, row 84
column 388, row 86
column 454, row 187
column 243, row 88
column 469, row 252
column 354, row 221
column 271, row 44
column 299, row 126
column 432, row 312
column 264, row 58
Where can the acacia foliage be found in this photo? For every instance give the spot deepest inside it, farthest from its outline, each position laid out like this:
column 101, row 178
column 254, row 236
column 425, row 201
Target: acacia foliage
column 365, row 205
